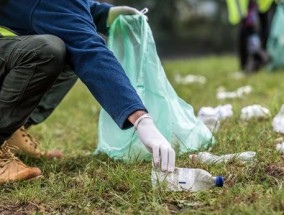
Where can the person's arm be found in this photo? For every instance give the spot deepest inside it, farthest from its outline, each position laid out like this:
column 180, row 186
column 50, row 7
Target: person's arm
column 100, row 12
column 100, row 71
column 88, row 55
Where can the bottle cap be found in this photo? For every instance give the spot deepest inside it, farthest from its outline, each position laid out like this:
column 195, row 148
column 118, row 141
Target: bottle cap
column 219, row 181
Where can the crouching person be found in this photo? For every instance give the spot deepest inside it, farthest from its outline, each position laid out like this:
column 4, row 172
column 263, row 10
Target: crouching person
column 28, row 67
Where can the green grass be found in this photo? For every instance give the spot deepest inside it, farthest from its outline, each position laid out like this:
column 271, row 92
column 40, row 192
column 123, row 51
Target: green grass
column 83, row 184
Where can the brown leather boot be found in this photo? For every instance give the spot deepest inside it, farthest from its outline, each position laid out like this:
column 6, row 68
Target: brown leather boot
column 12, row 169
column 23, row 143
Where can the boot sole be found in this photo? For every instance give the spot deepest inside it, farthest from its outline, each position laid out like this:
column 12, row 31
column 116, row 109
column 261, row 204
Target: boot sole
column 28, row 180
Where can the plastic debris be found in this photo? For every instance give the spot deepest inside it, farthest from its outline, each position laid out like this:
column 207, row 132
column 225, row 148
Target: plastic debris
column 206, row 157
column 211, row 116
column 239, row 93
column 221, row 111
column 237, row 75
column 185, row 179
column 280, row 147
column 278, row 121
column 254, row 112
column 211, row 122
column 189, row 79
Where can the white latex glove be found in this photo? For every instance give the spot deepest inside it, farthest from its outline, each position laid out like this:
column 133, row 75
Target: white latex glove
column 162, row 152
column 120, row 10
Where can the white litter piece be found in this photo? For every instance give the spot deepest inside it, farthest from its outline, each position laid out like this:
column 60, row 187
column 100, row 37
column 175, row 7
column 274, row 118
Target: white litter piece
column 254, row 112
column 189, row 79
column 206, row 157
column 280, row 147
column 221, row 111
column 211, row 116
column 239, row 93
column 237, row 75
column 278, row 121
column 212, row 123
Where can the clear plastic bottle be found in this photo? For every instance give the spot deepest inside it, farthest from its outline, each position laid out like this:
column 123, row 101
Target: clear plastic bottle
column 185, row 179
column 206, row 157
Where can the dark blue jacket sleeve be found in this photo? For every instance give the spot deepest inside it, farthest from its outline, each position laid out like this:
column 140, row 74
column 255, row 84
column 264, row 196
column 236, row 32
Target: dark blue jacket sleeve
column 88, row 55
column 99, row 11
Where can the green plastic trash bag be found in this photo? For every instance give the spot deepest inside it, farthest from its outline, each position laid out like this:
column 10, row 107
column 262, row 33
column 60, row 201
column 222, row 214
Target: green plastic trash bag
column 275, row 45
column 131, row 40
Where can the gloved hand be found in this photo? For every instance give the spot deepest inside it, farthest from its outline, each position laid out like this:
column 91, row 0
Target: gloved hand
column 162, row 152
column 120, row 10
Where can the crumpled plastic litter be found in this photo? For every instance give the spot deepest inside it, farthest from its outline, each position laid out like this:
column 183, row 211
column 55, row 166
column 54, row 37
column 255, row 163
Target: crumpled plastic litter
column 221, row 111
column 239, row 93
column 211, row 116
column 189, row 79
column 280, row 147
column 278, row 121
column 254, row 112
column 237, row 75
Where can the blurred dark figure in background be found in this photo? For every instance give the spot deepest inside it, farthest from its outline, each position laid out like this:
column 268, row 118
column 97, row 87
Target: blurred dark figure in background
column 255, row 18
column 254, row 32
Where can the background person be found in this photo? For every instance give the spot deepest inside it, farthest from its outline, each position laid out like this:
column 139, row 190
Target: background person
column 254, row 18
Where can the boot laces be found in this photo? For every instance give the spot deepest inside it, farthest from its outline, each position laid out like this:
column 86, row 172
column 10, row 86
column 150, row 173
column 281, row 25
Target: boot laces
column 6, row 156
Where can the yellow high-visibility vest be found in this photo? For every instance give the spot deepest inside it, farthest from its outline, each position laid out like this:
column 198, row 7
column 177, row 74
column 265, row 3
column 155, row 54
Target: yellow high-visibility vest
column 264, row 5
column 6, row 32
column 237, row 9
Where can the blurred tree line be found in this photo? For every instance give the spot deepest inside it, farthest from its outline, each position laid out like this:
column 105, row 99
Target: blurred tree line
column 188, row 27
